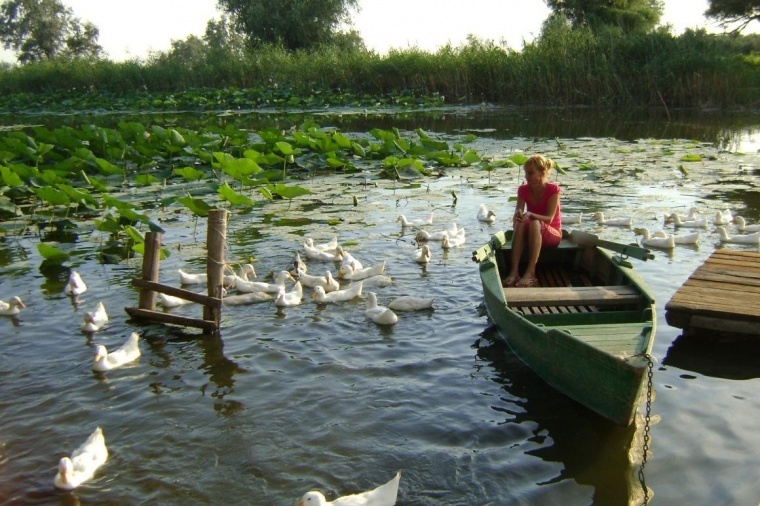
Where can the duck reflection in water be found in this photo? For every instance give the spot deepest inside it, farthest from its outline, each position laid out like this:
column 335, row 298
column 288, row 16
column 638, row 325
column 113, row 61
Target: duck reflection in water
column 592, row 450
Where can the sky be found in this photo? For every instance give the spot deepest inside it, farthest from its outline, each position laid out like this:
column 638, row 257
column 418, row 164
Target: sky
column 135, row 28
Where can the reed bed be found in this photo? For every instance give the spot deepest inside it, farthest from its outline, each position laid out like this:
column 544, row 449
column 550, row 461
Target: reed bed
column 563, row 67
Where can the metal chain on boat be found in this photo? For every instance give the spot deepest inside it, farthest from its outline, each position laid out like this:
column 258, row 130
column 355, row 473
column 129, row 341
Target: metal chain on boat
column 647, row 420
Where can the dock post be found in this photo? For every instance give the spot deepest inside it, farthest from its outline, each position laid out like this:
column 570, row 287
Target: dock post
column 151, row 257
column 216, row 240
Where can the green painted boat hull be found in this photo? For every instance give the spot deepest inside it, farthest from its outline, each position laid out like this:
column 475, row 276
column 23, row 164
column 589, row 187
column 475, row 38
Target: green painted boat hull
column 599, row 359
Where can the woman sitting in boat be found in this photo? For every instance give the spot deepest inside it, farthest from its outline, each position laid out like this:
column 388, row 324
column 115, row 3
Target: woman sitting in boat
column 537, row 220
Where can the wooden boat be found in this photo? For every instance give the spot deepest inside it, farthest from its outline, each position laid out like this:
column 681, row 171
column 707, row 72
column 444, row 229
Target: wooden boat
column 588, row 327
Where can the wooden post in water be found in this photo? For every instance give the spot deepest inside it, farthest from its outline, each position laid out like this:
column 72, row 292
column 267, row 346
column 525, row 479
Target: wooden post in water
column 216, row 240
column 151, row 257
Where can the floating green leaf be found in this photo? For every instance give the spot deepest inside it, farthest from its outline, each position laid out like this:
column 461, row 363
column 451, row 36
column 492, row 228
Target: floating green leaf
column 228, row 194
column 189, row 173
column 197, row 206
column 52, row 254
column 693, row 157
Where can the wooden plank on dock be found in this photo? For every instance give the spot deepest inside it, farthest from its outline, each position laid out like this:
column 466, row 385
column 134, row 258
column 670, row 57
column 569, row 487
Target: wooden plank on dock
column 723, row 294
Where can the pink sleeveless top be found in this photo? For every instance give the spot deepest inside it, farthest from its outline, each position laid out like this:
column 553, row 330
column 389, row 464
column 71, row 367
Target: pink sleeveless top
column 551, row 189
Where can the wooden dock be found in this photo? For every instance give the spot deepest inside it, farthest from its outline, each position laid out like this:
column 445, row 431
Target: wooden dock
column 721, row 296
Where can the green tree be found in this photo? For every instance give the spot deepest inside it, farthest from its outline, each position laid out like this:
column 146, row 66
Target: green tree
column 627, row 15
column 294, row 24
column 45, row 29
column 730, row 12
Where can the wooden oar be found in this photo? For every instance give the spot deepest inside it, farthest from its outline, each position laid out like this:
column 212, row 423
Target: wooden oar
column 586, row 239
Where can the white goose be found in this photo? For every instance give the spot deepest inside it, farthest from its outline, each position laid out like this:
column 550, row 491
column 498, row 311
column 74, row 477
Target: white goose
column 75, row 286
column 680, row 222
column 723, row 217
column 615, row 222
column 172, row 301
column 329, row 246
column 571, row 219
column 377, row 281
column 84, row 461
column 424, row 235
column 348, row 272
column 244, row 286
column 693, row 215
column 247, row 298
column 353, row 291
column 422, row 255
column 655, row 241
column 692, row 238
column 753, row 238
column 347, row 258
column 410, row 303
column 379, row 314
column 290, row 298
column 94, row 320
column 12, row 307
column 486, row 215
column 454, row 241
column 128, row 352
column 741, row 225
column 418, row 222
column 384, row 495
column 327, row 282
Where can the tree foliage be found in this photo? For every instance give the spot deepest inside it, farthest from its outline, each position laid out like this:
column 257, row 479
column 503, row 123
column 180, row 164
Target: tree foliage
column 730, row 12
column 628, row 15
column 294, row 24
column 45, row 29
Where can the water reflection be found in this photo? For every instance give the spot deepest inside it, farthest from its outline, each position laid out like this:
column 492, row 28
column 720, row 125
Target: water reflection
column 592, row 450
column 734, row 359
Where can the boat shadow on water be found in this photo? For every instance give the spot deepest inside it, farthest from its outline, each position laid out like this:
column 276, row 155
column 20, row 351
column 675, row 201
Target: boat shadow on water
column 727, row 358
column 593, row 451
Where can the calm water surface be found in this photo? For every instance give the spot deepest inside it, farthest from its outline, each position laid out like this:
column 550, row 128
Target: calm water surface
column 315, row 396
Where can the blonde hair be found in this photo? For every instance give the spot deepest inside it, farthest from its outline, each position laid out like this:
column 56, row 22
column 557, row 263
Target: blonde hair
column 540, row 163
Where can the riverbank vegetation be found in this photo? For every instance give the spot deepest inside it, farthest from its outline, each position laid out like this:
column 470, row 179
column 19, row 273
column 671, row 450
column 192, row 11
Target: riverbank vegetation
column 564, row 66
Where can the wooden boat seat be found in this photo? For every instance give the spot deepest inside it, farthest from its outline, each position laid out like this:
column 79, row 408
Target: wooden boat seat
column 571, row 296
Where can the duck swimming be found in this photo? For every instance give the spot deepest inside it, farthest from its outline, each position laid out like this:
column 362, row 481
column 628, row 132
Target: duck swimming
column 290, row 298
column 84, row 461
column 244, row 286
column 327, row 282
column 353, row 291
column 422, row 255
column 679, row 222
column 348, row 272
column 486, row 215
column 94, row 320
column 418, row 222
column 723, row 217
column 410, row 303
column 656, row 241
column 12, row 307
column 384, row 495
column 424, row 235
column 128, row 352
column 379, row 314
column 329, row 246
column 615, row 222
column 753, row 238
column 741, row 225
column 76, row 285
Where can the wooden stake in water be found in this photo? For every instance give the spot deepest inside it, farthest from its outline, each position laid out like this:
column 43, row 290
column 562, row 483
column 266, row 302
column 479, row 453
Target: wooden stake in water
column 216, row 240
column 151, row 257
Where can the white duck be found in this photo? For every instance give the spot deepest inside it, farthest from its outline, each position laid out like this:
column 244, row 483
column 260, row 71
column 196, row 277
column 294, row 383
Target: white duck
column 172, row 301
column 94, row 320
column 290, row 298
column 418, row 222
column 12, row 307
column 329, row 246
column 680, row 222
column 244, row 286
column 454, row 241
column 741, row 225
column 486, row 215
column 84, row 461
column 384, row 495
column 75, row 286
column 347, row 259
column 723, row 217
column 128, row 352
column 379, row 314
column 692, row 238
column 247, row 298
column 424, row 235
column 187, row 278
column 656, row 241
column 422, row 255
column 313, row 253
column 571, row 219
column 693, row 215
column 348, row 271
column 353, row 291
column 297, row 265
column 615, row 222
column 327, row 282
column 753, row 238
column 410, row 303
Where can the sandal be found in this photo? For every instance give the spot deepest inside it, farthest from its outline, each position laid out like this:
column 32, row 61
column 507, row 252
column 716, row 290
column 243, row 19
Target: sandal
column 526, row 282
column 510, row 281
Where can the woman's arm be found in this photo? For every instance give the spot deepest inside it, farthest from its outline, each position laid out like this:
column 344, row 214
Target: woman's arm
column 519, row 215
column 551, row 210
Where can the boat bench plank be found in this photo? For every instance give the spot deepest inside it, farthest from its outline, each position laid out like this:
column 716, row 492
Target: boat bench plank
column 571, row 296
column 618, row 338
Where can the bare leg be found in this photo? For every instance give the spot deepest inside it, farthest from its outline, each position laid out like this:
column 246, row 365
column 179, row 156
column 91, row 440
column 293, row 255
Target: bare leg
column 534, row 248
column 518, row 243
